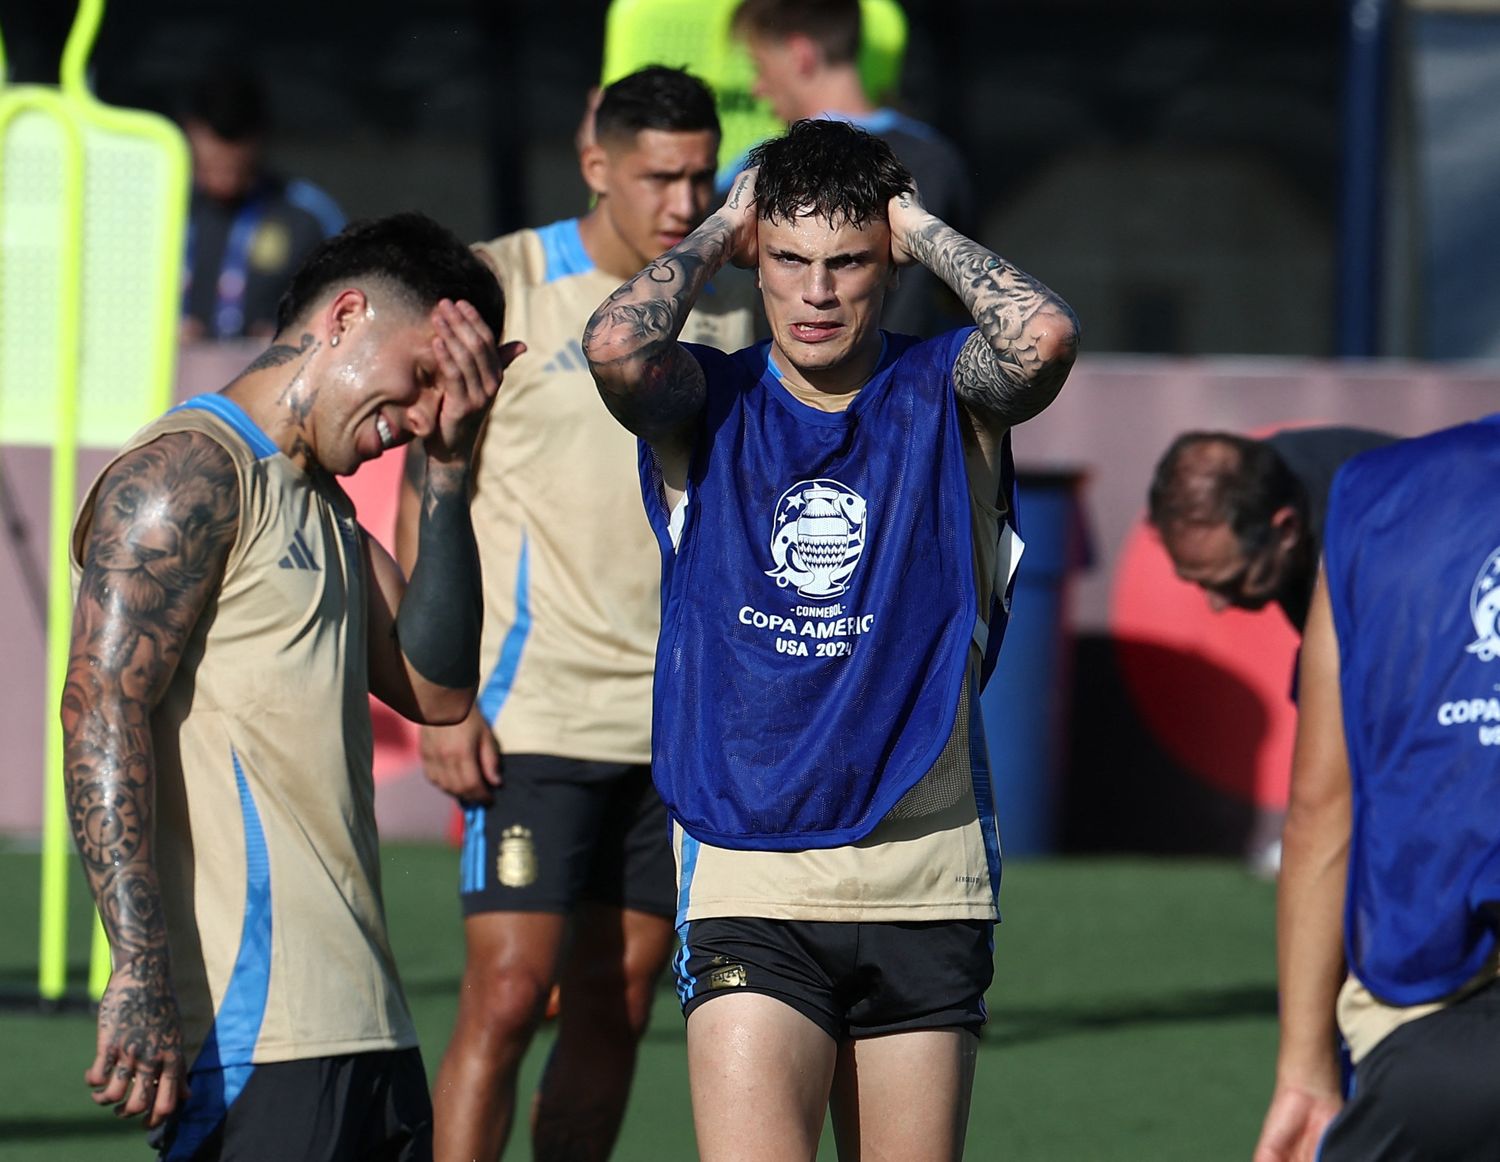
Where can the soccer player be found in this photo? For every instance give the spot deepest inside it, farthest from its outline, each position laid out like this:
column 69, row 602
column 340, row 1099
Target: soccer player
column 806, row 65
column 1388, row 907
column 830, row 511
column 232, row 620
column 552, row 766
column 1243, row 520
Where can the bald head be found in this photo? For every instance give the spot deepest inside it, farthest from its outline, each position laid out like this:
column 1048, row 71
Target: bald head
column 1208, row 478
column 1232, row 517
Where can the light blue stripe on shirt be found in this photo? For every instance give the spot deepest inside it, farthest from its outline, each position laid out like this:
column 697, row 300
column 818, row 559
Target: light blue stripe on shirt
column 236, row 1028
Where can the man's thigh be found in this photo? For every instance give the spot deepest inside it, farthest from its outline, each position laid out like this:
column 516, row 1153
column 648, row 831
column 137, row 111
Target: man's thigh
column 352, row 1108
column 1429, row 1090
column 905, row 1095
column 760, row 1073
column 531, row 849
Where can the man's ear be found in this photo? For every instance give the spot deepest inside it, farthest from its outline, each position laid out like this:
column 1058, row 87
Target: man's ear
column 804, row 53
column 347, row 310
column 1286, row 525
column 593, row 163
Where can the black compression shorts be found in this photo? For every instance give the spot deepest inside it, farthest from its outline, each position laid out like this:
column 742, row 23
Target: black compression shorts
column 851, row 979
column 360, row 1107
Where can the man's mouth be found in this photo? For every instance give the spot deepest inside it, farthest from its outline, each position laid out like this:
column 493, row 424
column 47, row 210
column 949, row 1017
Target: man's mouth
column 815, row 332
column 387, row 437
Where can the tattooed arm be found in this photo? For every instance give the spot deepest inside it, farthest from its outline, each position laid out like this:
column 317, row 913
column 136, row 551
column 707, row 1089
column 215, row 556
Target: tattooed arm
column 1016, row 363
column 648, row 382
column 153, row 554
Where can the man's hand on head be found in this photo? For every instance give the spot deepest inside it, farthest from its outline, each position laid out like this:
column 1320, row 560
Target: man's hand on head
column 471, row 366
column 906, row 214
column 740, row 212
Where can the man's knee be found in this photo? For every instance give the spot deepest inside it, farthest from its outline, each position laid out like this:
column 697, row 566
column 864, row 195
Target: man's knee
column 504, row 999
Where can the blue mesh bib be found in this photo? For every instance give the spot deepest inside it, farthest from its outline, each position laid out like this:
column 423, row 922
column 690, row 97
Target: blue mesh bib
column 1412, row 547
column 818, row 604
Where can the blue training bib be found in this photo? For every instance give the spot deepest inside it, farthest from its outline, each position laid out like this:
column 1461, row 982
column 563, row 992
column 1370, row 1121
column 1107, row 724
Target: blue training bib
column 1412, row 551
column 818, row 601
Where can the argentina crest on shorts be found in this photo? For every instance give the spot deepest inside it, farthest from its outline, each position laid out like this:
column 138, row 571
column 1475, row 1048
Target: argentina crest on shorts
column 818, row 601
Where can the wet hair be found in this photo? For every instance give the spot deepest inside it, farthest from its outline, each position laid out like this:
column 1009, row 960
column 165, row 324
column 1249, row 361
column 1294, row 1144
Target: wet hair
column 655, row 97
column 409, row 256
column 1209, row 478
column 829, row 169
column 231, row 101
column 833, row 25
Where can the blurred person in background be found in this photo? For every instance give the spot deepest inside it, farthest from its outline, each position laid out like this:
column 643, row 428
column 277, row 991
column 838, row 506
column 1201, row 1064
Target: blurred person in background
column 249, row 227
column 1242, row 519
column 806, row 65
column 1388, row 907
column 566, row 871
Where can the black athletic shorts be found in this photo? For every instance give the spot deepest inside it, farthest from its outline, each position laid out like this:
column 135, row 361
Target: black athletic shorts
column 563, row 830
column 852, row 980
column 361, row 1107
column 1429, row 1091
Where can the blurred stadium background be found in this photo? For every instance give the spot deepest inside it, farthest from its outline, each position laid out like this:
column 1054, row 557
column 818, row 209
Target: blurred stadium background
column 1266, row 213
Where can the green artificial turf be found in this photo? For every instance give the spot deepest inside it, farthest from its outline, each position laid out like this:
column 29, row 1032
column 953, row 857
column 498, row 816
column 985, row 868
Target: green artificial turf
column 1132, row 1017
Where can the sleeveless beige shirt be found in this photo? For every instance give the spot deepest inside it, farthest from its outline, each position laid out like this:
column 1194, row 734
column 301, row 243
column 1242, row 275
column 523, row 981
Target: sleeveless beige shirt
column 571, row 567
column 266, row 846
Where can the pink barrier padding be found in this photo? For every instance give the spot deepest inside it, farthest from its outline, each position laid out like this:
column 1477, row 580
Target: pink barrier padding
column 1214, row 688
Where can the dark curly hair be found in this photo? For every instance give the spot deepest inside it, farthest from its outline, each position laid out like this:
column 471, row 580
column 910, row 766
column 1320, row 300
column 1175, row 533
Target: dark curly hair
column 408, row 254
column 829, row 169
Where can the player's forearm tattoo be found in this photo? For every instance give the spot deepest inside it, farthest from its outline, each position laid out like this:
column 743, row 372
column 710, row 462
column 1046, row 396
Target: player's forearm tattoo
column 741, row 184
column 650, row 384
column 1028, row 336
column 163, row 522
column 442, row 611
column 414, row 470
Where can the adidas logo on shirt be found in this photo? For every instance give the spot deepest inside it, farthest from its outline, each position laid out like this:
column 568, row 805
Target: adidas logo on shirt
column 298, row 555
column 568, row 358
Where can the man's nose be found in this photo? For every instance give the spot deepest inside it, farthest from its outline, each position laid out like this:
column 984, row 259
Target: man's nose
column 817, row 288
column 421, row 417
column 680, row 202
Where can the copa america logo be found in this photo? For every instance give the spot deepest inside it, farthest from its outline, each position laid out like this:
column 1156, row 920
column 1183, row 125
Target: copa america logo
column 1484, row 609
column 817, row 537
